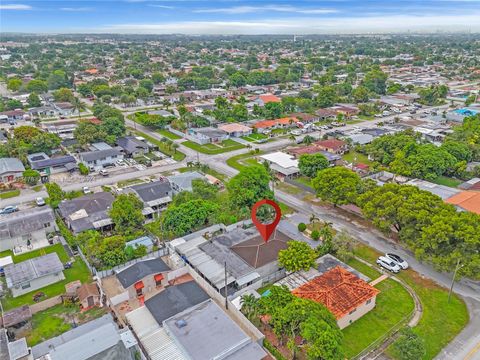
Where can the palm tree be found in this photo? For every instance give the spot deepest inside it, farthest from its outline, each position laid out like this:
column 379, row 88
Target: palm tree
column 308, row 139
column 175, row 146
column 314, row 218
column 78, row 105
column 189, row 164
column 250, row 306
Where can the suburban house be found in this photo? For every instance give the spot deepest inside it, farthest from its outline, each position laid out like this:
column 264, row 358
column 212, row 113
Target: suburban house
column 33, row 274
column 306, row 118
column 183, row 181
column 136, row 282
column 250, row 259
column 235, row 129
column 325, row 114
column 89, row 212
column 43, row 111
column 98, row 159
column 88, row 296
column 64, row 108
column 284, row 122
column 207, row 135
column 28, row 229
column 262, row 100
column 312, row 149
column 333, row 146
column 46, row 165
column 10, row 170
column 344, row 294
column 132, row 146
column 154, row 195
column 97, row 339
column 284, row 165
column 191, row 326
column 466, row 201
column 13, row 115
column 63, row 129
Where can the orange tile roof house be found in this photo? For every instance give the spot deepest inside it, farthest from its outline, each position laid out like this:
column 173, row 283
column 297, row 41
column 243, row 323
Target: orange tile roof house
column 268, row 98
column 235, row 129
column 344, row 294
column 466, row 200
column 332, row 145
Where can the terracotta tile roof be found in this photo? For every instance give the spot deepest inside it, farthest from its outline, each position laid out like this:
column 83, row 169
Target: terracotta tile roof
column 333, row 144
column 286, row 120
column 310, row 149
column 339, row 290
column 265, row 124
column 467, row 200
column 269, row 98
column 91, row 71
column 234, row 127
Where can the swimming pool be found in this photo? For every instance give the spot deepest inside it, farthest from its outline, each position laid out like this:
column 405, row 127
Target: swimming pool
column 466, row 111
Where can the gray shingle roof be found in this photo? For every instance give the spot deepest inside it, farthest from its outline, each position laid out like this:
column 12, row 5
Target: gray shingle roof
column 175, row 299
column 25, row 222
column 10, row 165
column 130, row 144
column 58, row 161
column 184, row 180
column 99, row 154
column 138, row 271
column 32, row 269
column 153, row 190
column 94, row 207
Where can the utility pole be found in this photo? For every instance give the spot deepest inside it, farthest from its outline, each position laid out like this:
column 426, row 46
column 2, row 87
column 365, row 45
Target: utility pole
column 457, row 267
column 226, row 299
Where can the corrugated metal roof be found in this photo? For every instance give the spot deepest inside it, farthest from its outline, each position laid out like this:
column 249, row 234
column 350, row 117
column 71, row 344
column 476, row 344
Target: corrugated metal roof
column 154, row 339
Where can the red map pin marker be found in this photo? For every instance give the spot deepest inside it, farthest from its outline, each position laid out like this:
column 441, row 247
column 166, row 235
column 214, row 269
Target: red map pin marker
column 266, row 230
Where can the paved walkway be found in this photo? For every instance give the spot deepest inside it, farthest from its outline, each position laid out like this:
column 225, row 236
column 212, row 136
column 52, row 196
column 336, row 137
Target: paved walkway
column 379, row 279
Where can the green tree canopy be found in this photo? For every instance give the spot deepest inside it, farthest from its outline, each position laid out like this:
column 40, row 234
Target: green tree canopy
column 126, row 213
column 250, row 185
column 337, row 184
column 297, row 256
column 309, row 165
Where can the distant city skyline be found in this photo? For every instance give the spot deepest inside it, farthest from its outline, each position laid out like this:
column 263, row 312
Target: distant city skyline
column 238, row 17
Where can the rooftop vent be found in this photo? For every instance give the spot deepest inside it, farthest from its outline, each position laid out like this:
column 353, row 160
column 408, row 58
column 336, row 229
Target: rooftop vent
column 180, row 323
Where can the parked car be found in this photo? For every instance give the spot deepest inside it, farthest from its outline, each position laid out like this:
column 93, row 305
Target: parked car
column 86, row 190
column 104, row 172
column 8, row 209
column 388, row 264
column 397, row 260
column 40, row 201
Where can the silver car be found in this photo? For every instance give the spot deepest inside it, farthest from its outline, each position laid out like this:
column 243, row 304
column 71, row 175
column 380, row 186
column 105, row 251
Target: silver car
column 388, row 264
column 397, row 260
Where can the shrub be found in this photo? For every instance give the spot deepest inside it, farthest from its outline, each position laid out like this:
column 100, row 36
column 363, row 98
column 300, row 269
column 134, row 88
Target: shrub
column 31, row 177
column 83, row 169
column 302, row 227
column 273, row 350
column 315, row 235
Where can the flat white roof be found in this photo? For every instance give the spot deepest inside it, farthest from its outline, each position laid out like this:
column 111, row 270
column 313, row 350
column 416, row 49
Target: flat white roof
column 282, row 159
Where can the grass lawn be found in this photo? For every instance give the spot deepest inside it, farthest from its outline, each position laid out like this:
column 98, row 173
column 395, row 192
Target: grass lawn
column 162, row 147
column 285, row 209
column 447, row 181
column 393, row 305
column 78, row 271
column 212, row 149
column 237, row 161
column 290, row 189
column 9, row 194
column 57, row 320
column 168, row 134
column 128, row 182
column 451, row 317
column 37, row 188
column 255, row 137
column 353, row 156
column 218, row 175
column 305, row 180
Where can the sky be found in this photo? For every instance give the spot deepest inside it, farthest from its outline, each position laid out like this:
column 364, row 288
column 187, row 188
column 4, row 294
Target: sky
column 238, row 17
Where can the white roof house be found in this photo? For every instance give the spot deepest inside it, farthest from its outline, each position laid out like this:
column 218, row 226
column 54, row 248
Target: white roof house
column 282, row 163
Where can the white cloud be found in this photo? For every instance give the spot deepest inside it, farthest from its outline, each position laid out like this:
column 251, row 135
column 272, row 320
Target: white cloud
column 309, row 25
column 277, row 8
column 162, row 6
column 15, row 7
column 76, row 9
